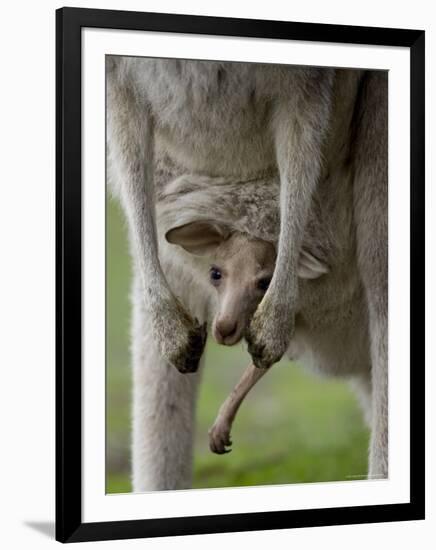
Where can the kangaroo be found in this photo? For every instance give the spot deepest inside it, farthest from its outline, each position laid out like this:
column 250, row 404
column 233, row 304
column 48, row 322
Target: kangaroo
column 241, row 271
column 222, row 119
column 321, row 136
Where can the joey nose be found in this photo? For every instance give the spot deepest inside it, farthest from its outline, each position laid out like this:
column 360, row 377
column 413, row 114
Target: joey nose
column 226, row 332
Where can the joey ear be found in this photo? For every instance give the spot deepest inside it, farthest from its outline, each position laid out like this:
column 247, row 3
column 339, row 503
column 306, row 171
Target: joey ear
column 200, row 238
column 310, row 267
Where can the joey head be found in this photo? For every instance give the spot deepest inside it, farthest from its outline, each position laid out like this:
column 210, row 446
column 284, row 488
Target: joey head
column 240, row 270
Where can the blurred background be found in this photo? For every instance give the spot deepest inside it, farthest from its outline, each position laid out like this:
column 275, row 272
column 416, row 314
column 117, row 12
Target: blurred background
column 293, row 427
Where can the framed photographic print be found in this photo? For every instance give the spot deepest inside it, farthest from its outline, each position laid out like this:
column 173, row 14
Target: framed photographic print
column 240, row 267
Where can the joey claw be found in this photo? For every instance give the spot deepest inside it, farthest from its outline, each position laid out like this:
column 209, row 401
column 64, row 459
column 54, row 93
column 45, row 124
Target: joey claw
column 219, row 439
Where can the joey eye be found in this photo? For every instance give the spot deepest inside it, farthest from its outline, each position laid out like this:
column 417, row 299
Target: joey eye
column 263, row 284
column 215, row 274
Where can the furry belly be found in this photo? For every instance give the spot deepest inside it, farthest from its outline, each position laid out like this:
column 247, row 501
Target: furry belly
column 337, row 347
column 218, row 152
column 213, row 118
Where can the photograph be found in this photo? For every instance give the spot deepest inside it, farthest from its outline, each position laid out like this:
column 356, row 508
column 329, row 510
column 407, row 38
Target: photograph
column 217, row 286
column 247, row 239
column 238, row 276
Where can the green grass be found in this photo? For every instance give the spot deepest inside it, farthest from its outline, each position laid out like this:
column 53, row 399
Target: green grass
column 292, row 428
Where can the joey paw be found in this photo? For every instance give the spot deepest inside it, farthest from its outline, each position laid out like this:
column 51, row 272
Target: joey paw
column 219, row 438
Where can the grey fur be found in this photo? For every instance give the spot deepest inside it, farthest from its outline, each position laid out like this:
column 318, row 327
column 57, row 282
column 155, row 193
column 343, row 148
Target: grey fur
column 317, row 138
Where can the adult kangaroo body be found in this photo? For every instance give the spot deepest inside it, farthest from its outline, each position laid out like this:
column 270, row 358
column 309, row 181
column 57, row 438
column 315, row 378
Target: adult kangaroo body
column 306, row 127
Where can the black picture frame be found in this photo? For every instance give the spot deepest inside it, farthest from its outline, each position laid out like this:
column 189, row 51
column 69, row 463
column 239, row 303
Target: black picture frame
column 69, row 525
